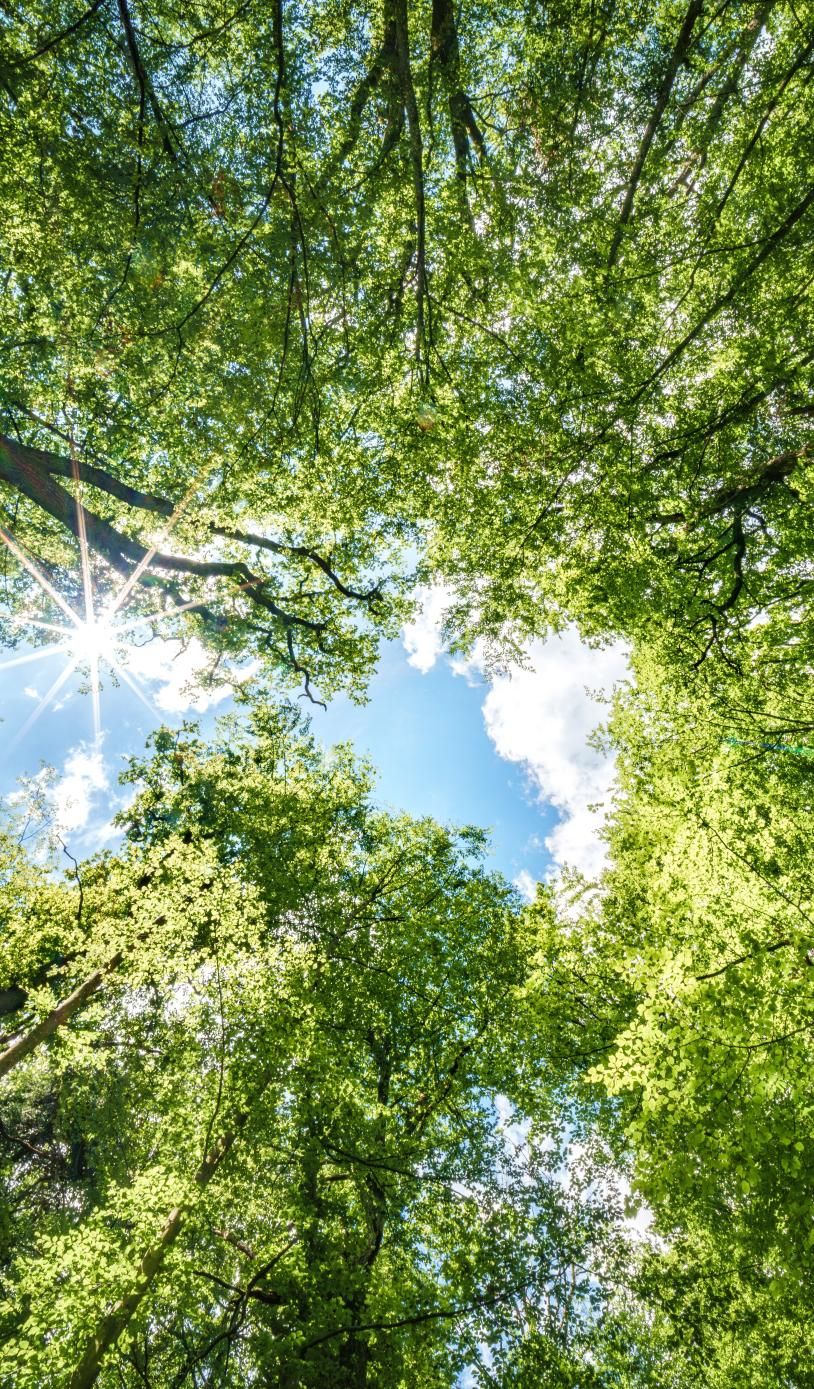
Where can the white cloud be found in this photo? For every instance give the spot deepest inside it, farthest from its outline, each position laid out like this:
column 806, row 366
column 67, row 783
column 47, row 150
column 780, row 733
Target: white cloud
column 526, row 885
column 542, row 717
column 177, row 668
column 422, row 637
column 103, row 836
column 32, row 692
column 72, row 794
column 515, row 1133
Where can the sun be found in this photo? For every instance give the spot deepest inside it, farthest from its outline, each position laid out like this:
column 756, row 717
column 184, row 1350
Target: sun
column 93, row 641
column 86, row 643
column 99, row 638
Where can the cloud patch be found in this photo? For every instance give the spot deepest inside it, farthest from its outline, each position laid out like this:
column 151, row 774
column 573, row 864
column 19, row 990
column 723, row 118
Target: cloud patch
column 177, row 669
column 72, row 794
column 422, row 637
column 526, row 885
column 542, row 718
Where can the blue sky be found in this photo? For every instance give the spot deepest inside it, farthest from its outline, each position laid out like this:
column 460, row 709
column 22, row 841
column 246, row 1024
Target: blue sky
column 507, row 754
column 425, row 734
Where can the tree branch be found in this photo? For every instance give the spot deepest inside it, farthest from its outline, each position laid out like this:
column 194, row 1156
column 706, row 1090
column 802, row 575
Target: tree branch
column 57, row 38
column 741, row 959
column 146, row 89
column 417, row 167
column 677, row 56
column 445, row 49
column 728, row 88
column 724, row 300
column 416, row 1318
column 302, row 551
column 384, row 65
column 111, row 1325
column 59, row 466
column 31, row 471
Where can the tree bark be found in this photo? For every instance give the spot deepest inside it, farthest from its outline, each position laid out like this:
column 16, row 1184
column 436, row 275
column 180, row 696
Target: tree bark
column 31, row 472
column 23, row 1046
column 446, row 49
column 110, row 1326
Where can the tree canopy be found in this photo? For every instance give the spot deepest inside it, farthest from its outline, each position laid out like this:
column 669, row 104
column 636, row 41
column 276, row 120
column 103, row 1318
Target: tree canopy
column 680, row 998
column 327, row 283
column 273, row 1137
column 304, row 305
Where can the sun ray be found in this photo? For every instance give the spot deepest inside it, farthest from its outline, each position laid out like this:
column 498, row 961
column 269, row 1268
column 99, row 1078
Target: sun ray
column 96, row 702
column 37, row 574
column 124, row 674
column 47, row 699
column 91, row 642
column 179, row 608
column 37, row 655
column 166, row 612
column 87, row 586
column 42, row 626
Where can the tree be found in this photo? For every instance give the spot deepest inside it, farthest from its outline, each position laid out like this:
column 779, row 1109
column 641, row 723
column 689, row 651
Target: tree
column 646, row 468
column 527, row 287
column 681, row 1002
column 298, row 300
column 269, row 1143
column 213, row 276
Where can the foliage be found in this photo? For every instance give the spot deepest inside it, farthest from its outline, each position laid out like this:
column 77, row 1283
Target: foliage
column 638, row 427
column 681, row 1000
column 277, row 1139
column 302, row 302
column 529, row 286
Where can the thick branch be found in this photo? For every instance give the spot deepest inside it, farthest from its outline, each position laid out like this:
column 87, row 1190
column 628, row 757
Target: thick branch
column 236, row 1243
column 776, row 470
column 65, row 1009
column 23, row 1046
column 800, row 62
column 738, row 546
column 768, row 248
column 111, row 1326
column 753, row 487
column 728, row 89
column 59, row 466
column 12, row 999
column 23, row 469
column 446, row 50
column 677, row 57
column 383, row 67
column 416, row 164
column 142, row 77
column 57, row 38
column 278, row 548
column 31, row 471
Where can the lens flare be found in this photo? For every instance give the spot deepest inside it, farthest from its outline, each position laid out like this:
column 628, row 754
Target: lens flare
column 98, row 638
column 84, row 643
column 93, row 641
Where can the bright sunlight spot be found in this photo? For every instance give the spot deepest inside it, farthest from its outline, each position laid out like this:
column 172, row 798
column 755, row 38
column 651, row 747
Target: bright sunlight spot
column 92, row 641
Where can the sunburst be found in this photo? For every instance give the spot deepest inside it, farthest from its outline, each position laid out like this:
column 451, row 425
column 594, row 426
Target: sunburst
column 100, row 635
column 87, row 641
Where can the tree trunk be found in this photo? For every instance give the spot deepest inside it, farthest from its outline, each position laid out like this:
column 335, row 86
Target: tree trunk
column 64, row 1010
column 110, row 1326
